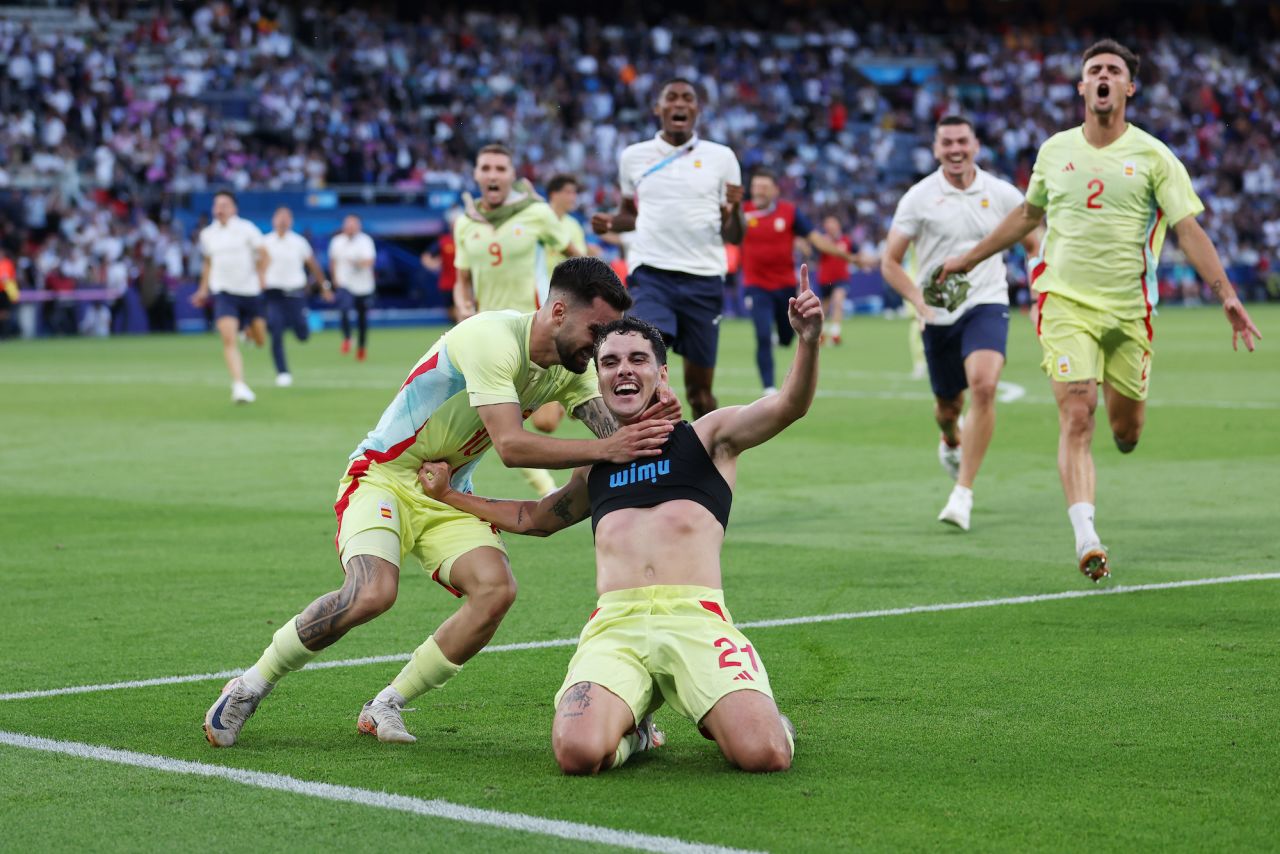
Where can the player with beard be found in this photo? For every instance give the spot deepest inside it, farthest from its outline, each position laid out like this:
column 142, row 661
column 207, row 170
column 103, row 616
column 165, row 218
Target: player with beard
column 1110, row 192
column 472, row 390
column 682, row 195
column 661, row 632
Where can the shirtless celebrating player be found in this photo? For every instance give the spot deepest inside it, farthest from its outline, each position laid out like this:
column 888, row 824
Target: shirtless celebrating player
column 661, row 631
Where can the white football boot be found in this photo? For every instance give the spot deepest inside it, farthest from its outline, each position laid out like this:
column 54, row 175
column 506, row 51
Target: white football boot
column 959, row 507
column 235, row 704
column 241, row 393
column 384, row 720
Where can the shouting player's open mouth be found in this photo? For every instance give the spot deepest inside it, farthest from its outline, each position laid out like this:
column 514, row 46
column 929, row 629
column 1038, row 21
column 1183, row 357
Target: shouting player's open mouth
column 626, row 388
column 1104, row 89
column 680, row 119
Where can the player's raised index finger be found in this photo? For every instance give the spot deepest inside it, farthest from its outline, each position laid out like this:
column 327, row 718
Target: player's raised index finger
column 804, row 279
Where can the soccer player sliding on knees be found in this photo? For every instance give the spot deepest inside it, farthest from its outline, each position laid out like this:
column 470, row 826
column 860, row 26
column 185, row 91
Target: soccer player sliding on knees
column 661, row 631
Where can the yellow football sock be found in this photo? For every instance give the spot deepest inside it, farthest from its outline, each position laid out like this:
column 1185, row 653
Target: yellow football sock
column 285, row 654
column 427, row 669
column 540, row 480
column 626, row 747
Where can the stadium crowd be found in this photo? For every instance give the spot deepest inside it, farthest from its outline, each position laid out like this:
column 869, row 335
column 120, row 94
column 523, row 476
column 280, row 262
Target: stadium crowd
column 99, row 131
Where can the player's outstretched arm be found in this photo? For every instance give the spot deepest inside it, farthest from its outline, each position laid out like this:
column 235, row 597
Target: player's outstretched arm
column 566, row 506
column 520, row 448
column 1020, row 222
column 1204, row 257
column 737, row 428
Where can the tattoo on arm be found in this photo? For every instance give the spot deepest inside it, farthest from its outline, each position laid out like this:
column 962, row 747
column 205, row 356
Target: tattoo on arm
column 1219, row 289
column 561, row 509
column 328, row 618
column 597, row 417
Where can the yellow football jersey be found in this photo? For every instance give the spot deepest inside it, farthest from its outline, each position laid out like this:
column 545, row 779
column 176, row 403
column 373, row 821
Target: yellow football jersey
column 1108, row 210
column 507, row 262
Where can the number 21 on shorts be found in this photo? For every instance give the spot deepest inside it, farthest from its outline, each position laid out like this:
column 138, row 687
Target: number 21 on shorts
column 729, row 650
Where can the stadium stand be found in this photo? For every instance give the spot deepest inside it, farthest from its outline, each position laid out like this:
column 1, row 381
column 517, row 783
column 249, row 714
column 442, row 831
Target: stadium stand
column 111, row 117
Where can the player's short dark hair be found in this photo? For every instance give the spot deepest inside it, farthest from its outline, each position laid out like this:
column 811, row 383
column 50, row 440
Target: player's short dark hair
column 628, row 325
column 671, row 81
column 583, row 278
column 1130, row 58
column 230, row 195
column 762, row 172
column 560, row 181
column 285, row 208
column 953, row 119
column 496, row 148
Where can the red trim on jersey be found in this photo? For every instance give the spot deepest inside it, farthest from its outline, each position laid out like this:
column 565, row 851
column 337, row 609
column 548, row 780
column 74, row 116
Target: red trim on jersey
column 1146, row 295
column 428, row 365
column 358, row 469
column 1038, row 270
column 435, row 576
column 1040, row 298
column 713, row 607
column 593, row 615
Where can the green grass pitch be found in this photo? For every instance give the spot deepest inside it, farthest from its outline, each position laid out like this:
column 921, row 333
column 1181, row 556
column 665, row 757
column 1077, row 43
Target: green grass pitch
column 149, row 528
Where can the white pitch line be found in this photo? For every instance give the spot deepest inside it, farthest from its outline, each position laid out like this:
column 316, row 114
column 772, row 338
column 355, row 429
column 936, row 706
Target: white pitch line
column 754, row 624
column 571, row 830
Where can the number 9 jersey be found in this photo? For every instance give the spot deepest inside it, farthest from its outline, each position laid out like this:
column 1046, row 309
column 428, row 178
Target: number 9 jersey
column 508, row 262
column 1108, row 210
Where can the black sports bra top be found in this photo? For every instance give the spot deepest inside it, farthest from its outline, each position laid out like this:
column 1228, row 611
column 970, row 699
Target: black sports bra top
column 684, row 470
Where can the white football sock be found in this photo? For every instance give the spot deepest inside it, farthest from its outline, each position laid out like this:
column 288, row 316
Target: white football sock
column 1081, row 516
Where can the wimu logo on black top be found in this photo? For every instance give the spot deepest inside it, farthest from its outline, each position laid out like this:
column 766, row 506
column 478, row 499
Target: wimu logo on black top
column 682, row 472
column 645, row 471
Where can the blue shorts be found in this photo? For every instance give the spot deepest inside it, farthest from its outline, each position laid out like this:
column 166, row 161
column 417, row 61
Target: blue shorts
column 983, row 327
column 685, row 308
column 244, row 309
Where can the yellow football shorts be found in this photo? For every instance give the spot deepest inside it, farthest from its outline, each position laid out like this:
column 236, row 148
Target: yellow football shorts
column 666, row 643
column 436, row 534
column 1083, row 343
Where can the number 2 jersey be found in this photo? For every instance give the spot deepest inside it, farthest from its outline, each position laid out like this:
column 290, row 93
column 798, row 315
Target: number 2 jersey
column 1108, row 210
column 483, row 360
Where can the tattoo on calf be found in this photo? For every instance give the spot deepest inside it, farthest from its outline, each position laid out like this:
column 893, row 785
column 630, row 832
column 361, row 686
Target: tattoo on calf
column 597, row 417
column 577, row 701
column 327, row 615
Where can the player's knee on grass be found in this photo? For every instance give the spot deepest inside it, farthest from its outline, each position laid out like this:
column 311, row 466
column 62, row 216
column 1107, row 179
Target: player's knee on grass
column 749, row 731
column 583, row 753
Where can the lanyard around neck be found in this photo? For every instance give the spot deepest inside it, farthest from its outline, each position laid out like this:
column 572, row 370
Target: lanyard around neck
column 668, row 160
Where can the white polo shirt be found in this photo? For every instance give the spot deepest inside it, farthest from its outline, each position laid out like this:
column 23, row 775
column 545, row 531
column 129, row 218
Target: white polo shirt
column 289, row 253
column 344, row 252
column 678, row 191
column 233, row 259
column 943, row 221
